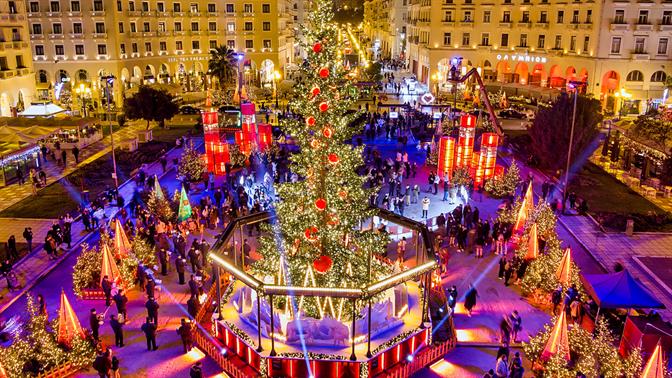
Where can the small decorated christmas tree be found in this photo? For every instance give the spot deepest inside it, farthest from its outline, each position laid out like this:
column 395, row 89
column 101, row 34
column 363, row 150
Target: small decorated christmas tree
column 192, row 166
column 505, row 185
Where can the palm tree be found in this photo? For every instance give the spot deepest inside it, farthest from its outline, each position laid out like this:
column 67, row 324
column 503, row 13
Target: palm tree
column 223, row 63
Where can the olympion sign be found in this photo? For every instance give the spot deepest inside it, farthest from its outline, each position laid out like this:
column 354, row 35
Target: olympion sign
column 522, row 58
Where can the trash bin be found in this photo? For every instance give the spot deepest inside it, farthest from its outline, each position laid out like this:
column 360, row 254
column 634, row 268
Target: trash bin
column 629, row 227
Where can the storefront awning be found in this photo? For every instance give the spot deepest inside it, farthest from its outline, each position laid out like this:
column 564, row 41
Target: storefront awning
column 41, row 110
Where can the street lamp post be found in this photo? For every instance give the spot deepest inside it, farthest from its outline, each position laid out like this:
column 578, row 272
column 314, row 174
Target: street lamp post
column 108, row 81
column 239, row 57
column 276, row 78
column 82, row 93
column 575, row 85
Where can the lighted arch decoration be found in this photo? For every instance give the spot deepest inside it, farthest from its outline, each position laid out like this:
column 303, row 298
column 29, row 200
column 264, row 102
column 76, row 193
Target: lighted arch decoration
column 137, row 75
column 82, row 76
column 635, row 75
column 583, row 75
column 570, row 73
column 556, row 78
column 62, row 76
column 444, row 68
column 487, row 65
column 502, row 69
column 125, row 75
column 42, row 77
column 538, row 76
column 522, row 71
column 610, row 82
column 164, row 73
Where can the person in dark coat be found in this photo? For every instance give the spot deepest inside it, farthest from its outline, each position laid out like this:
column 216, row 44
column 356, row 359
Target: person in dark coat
column 163, row 260
column 195, row 371
column 149, row 288
column 141, row 276
column 452, row 297
column 149, row 329
column 11, row 248
column 470, row 299
column 193, row 306
column 94, row 322
column 152, row 310
column 106, row 284
column 102, row 364
column 193, row 285
column 28, row 235
column 186, row 334
column 508, row 272
column 120, row 300
column 180, row 266
column 502, row 267
column 118, row 330
column 42, row 306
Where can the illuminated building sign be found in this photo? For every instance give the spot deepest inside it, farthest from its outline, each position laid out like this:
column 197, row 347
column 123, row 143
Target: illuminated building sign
column 522, row 58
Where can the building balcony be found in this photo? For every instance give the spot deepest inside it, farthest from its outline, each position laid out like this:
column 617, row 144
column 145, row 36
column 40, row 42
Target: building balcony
column 179, row 14
column 34, row 14
column 644, row 27
column 248, row 15
column 448, row 23
column 163, row 33
column 505, row 24
column 586, row 25
column 134, row 13
column 665, row 27
column 179, row 33
column 163, row 14
column 54, row 14
column 468, row 23
column 23, row 71
column 573, row 25
column 194, row 14
column 56, row 36
column 640, row 55
column 76, row 35
column 149, row 34
column 98, row 13
column 212, row 32
column 74, row 13
column 196, row 32
column 525, row 24
column 213, row 14
column 7, row 73
column 80, row 57
column 423, row 24
column 541, row 24
column 36, row 36
column 99, row 35
column 163, row 52
column 619, row 26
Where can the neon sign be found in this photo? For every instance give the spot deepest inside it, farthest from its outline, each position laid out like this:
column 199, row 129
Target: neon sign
column 522, row 58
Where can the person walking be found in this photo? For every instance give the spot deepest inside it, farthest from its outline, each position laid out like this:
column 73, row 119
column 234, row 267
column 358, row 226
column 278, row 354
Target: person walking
column 42, row 306
column 118, row 329
column 121, row 300
column 186, row 334
column 102, row 364
column 194, row 286
column 152, row 310
column 180, row 266
column 401, row 250
column 516, row 325
column 193, row 306
column 11, row 248
column 114, row 368
column 28, row 235
column 149, row 329
column 502, row 367
column 452, row 297
column 504, row 330
column 425, row 207
column 470, row 299
column 163, row 260
column 416, row 193
column 502, row 267
column 106, row 285
column 94, row 323
column 196, row 371
column 75, row 153
column 149, row 288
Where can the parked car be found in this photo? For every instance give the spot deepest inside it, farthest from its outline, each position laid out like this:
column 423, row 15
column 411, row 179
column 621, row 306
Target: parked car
column 511, row 114
column 188, row 109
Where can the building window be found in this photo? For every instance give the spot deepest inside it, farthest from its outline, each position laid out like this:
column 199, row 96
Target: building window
column 119, row 9
column 589, row 16
column 247, row 8
column 77, row 28
column 561, row 17
column 247, row 26
column 148, row 46
column 448, row 16
column 558, row 42
column 507, row 1
column 55, row 6
column 102, row 49
column 640, row 43
column 635, row 76
column 213, row 44
column 131, row 6
column 19, row 62
column 57, row 29
column 267, row 43
column 505, row 40
column 98, row 6
column 586, row 43
column 465, row 39
column 37, row 29
column 145, row 6
column 79, row 49
column 230, row 8
column 212, row 8
column 643, row 17
column 194, row 26
column 523, row 40
column 231, row 27
column 163, row 46
column 575, row 17
column 161, row 27
column 122, row 48
column 658, row 77
column 662, row 46
column 133, row 30
column 486, row 17
column 446, row 39
column 265, row 8
column 506, row 16
column 485, row 39
column 178, row 26
column 74, row 6
column 34, row 6
column 178, row 45
column 667, row 18
column 616, row 45
column 266, row 26
column 543, row 17
column 160, row 7
column 177, row 7
column 145, row 27
column 39, row 50
column 134, row 47
column 59, row 50
column 572, row 43
column 526, row 17
column 3, row 64
column 193, row 8
column 195, row 45
column 231, row 43
column 619, row 16
column 249, row 44
column 212, row 26
column 541, row 42
column 100, row 27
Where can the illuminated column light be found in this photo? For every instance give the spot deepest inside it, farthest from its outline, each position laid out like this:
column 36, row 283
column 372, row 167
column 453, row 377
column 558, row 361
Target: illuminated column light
column 465, row 142
column 487, row 158
column 446, row 155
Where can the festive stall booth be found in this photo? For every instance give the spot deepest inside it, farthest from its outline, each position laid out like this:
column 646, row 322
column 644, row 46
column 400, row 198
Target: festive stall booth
column 646, row 333
column 265, row 322
column 24, row 159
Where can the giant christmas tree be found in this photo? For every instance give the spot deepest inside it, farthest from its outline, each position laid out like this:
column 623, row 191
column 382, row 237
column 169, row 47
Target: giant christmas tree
column 317, row 240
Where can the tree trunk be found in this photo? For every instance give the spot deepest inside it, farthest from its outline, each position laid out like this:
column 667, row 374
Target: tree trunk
column 147, row 125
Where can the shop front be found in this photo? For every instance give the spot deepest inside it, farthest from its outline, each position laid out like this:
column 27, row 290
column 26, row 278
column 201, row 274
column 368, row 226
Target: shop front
column 23, row 159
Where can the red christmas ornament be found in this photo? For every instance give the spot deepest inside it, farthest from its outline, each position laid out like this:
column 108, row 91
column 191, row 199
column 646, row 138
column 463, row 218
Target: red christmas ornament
column 315, row 144
column 333, row 220
column 323, row 264
column 324, row 106
column 327, row 132
column 333, row 158
column 310, row 121
column 311, row 233
column 317, row 47
column 324, row 72
column 342, row 194
column 321, row 204
column 315, row 91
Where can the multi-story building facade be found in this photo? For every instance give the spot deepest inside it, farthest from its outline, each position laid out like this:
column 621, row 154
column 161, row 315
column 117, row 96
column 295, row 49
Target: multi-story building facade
column 75, row 42
column 17, row 82
column 385, row 25
column 615, row 46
